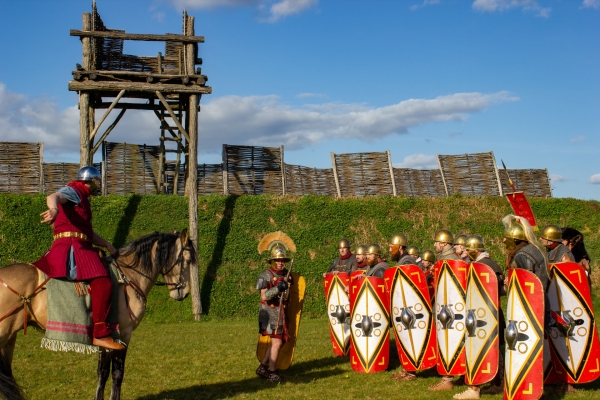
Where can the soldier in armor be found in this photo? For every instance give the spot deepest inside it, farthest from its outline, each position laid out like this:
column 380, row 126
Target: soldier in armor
column 72, row 254
column 361, row 258
column 551, row 239
column 444, row 246
column 573, row 239
column 415, row 254
column 398, row 253
column 376, row 265
column 524, row 250
column 346, row 262
column 459, row 247
column 476, row 250
column 273, row 284
column 427, row 260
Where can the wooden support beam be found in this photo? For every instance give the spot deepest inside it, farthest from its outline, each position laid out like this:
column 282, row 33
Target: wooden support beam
column 110, row 128
column 115, row 101
column 137, row 36
column 497, row 175
column 335, row 175
column 391, row 167
column 138, row 87
column 84, row 98
column 172, row 114
column 442, row 173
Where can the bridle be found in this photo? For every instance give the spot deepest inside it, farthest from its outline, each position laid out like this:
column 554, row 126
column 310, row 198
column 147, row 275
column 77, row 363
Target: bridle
column 180, row 284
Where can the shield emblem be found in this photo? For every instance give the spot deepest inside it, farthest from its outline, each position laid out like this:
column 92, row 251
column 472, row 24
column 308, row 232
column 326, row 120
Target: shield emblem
column 573, row 335
column 450, row 315
column 481, row 341
column 370, row 346
column 523, row 362
column 294, row 312
column 338, row 311
column 411, row 316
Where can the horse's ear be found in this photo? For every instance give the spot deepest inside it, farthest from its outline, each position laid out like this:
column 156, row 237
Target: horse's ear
column 175, row 231
column 184, row 237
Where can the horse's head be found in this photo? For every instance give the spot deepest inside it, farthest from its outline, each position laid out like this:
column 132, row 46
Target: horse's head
column 177, row 276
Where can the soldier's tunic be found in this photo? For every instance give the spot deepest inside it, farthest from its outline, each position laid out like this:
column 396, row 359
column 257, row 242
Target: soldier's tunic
column 378, row 269
column 340, row 264
column 557, row 254
column 448, row 255
column 530, row 259
column 406, row 259
column 272, row 321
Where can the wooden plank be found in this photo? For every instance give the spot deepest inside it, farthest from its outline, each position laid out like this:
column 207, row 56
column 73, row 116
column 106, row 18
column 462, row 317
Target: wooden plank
column 138, row 87
column 115, row 101
column 84, row 98
column 108, row 130
column 283, row 192
column 391, row 172
column 137, row 36
column 442, row 172
column 497, row 175
column 335, row 175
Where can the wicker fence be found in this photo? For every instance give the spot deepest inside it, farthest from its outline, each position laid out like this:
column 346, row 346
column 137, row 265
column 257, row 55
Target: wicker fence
column 132, row 168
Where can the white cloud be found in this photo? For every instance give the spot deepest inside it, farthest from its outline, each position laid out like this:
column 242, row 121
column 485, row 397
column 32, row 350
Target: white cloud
column 252, row 120
column 309, row 95
column 595, row 179
column 419, row 161
column 579, row 138
column 159, row 16
column 591, row 4
column 275, row 9
column 425, row 3
column 503, row 5
column 555, row 178
column 455, row 134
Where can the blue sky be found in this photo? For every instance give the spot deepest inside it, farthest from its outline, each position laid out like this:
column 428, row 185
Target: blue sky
column 416, row 77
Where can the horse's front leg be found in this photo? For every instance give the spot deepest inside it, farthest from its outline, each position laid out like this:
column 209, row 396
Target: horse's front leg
column 104, row 358
column 118, row 370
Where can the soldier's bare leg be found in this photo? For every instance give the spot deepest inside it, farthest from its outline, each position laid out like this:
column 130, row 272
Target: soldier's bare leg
column 273, row 353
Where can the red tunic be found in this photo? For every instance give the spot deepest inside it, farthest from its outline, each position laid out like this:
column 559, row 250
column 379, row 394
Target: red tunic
column 73, row 218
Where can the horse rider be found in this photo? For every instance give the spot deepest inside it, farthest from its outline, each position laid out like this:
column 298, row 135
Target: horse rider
column 272, row 318
column 551, row 238
column 346, row 261
column 72, row 254
column 397, row 244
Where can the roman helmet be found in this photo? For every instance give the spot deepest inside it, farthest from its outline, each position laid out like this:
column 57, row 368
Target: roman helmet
column 513, row 231
column 444, row 236
column 277, row 243
column 413, row 250
column 460, row 239
column 91, row 175
column 344, row 243
column 362, row 249
column 374, row 248
column 428, row 255
column 474, row 244
column 397, row 240
column 552, row 233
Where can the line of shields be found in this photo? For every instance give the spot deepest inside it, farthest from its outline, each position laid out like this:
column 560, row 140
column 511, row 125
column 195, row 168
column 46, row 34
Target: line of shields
column 545, row 343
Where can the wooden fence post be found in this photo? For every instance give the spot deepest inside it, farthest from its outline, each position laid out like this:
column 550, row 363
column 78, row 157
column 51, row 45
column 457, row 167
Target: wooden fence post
column 335, row 175
column 391, row 173
column 442, row 173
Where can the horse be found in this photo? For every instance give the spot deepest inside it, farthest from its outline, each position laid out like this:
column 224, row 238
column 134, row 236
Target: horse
column 23, row 301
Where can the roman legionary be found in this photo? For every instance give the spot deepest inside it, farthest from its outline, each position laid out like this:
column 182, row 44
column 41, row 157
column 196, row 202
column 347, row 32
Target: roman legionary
column 573, row 239
column 376, row 265
column 398, row 243
column 415, row 254
column 444, row 246
column 427, row 260
column 459, row 247
column 72, row 255
column 361, row 258
column 273, row 284
column 346, row 262
column 551, row 239
column 475, row 248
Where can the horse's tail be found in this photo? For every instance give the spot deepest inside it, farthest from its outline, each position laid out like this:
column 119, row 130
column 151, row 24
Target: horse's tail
column 9, row 389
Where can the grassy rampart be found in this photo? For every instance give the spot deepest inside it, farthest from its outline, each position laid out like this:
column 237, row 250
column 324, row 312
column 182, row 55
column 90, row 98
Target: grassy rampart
column 230, row 228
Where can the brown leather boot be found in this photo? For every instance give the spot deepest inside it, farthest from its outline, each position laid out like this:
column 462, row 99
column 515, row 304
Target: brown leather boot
column 108, row 343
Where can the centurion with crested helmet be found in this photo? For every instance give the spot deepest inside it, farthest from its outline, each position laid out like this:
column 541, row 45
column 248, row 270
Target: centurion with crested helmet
column 281, row 292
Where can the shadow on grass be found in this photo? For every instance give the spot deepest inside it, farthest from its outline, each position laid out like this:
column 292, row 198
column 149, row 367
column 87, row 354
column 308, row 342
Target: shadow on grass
column 126, row 220
column 303, row 372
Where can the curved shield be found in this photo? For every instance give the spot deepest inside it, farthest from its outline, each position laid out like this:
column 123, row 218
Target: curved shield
column 411, row 316
column 338, row 311
column 370, row 329
column 481, row 342
column 551, row 375
column 294, row 311
column 523, row 360
column 450, row 316
column 573, row 334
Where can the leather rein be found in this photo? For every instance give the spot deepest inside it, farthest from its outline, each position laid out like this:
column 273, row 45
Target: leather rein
column 25, row 303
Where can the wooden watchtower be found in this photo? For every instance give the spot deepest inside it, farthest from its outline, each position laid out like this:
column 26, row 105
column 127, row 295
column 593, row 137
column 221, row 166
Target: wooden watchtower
column 170, row 85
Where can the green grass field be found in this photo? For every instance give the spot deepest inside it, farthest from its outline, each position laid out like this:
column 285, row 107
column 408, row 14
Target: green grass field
column 215, row 359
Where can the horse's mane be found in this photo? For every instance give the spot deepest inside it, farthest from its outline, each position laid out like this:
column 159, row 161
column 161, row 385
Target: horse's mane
column 141, row 250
